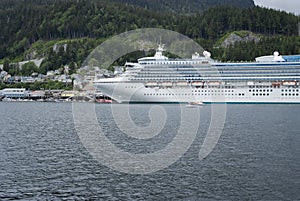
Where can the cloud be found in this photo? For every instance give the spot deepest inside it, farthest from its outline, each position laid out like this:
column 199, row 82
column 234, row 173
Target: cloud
column 292, row 6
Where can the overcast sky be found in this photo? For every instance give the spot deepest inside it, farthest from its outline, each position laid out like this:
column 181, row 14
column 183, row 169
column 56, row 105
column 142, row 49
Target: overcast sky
column 292, row 6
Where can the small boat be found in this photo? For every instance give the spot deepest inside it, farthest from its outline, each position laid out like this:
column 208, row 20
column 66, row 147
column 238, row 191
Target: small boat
column 104, row 101
column 195, row 104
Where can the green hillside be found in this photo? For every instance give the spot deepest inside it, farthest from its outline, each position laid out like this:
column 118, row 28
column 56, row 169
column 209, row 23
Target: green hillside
column 187, row 6
column 30, row 28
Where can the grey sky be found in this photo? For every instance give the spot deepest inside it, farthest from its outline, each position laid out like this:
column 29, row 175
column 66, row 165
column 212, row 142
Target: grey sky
column 292, row 6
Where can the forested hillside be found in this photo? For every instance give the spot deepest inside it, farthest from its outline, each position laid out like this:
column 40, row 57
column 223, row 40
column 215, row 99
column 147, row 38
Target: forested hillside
column 36, row 25
column 186, row 6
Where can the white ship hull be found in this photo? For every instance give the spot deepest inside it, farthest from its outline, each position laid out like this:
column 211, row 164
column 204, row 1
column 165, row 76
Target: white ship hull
column 138, row 93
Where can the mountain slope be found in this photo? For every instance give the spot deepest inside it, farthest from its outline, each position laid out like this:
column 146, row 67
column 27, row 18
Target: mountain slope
column 24, row 22
column 186, row 6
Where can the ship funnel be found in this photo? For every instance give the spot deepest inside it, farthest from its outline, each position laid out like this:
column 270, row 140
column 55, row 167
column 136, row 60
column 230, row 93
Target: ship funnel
column 278, row 57
column 207, row 54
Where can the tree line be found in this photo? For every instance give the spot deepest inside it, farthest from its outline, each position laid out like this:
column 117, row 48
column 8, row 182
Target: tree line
column 25, row 23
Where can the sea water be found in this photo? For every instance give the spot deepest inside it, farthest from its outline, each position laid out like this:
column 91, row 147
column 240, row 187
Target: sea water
column 257, row 156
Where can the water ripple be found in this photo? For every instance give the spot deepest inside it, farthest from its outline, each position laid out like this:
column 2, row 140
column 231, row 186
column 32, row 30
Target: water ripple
column 257, row 158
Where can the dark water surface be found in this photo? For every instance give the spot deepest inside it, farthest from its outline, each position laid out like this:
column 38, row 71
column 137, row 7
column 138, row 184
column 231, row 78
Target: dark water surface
column 257, row 157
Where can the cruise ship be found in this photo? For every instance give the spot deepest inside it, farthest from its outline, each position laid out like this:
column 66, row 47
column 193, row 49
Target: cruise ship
column 158, row 79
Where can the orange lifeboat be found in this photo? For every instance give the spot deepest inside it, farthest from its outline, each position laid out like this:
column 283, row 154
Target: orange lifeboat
column 197, row 84
column 289, row 83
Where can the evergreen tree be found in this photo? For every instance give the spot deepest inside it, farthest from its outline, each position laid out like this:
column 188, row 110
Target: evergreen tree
column 6, row 65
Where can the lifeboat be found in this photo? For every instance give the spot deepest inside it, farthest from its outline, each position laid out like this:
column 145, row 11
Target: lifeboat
column 289, row 83
column 213, row 83
column 167, row 84
column 182, row 84
column 151, row 84
column 197, row 84
column 276, row 84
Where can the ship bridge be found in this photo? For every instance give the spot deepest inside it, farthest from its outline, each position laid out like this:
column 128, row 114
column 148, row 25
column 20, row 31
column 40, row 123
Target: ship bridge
column 157, row 57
